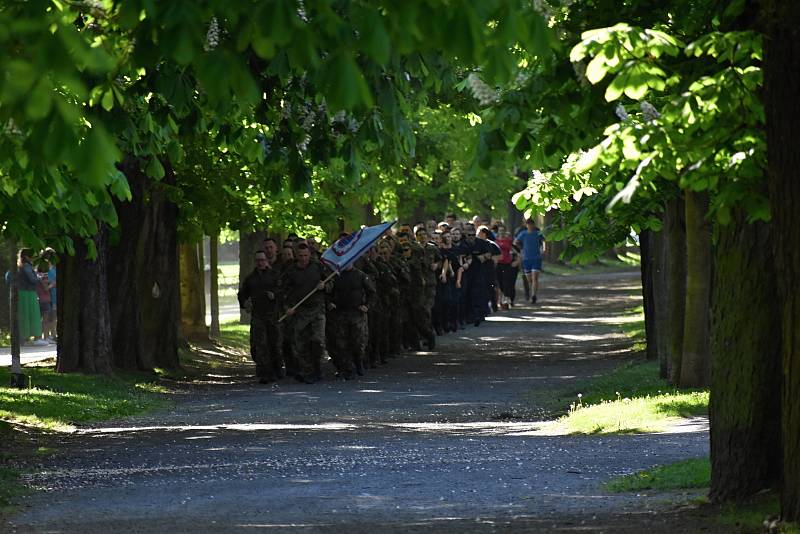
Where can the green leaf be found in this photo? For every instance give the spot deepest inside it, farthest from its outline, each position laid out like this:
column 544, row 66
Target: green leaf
column 40, row 100
column 264, row 47
column 344, row 85
column 184, row 47
column 154, row 169
column 636, row 86
column 616, row 87
column 588, row 160
column 376, row 39
column 97, row 157
column 597, row 68
column 108, row 100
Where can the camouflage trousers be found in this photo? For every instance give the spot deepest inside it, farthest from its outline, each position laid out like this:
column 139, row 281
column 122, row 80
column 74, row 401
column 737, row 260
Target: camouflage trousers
column 308, row 342
column 420, row 314
column 265, row 347
column 350, row 340
column 378, row 345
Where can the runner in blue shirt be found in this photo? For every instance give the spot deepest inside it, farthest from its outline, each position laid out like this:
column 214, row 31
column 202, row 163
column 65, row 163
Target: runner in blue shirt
column 532, row 242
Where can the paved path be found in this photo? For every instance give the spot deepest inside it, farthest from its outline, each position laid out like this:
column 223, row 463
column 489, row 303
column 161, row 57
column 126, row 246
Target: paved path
column 227, row 312
column 447, row 441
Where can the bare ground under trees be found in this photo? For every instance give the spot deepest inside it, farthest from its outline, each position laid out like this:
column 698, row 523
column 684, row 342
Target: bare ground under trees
column 449, row 441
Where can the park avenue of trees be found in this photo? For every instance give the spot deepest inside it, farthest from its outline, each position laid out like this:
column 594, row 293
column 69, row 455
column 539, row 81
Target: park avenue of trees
column 132, row 128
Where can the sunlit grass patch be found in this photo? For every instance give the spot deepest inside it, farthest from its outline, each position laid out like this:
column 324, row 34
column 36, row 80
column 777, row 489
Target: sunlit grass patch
column 58, row 401
column 650, row 413
column 694, row 473
column 235, row 334
column 630, row 399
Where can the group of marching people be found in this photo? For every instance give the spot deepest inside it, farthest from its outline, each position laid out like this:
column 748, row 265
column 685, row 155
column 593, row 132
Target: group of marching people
column 410, row 286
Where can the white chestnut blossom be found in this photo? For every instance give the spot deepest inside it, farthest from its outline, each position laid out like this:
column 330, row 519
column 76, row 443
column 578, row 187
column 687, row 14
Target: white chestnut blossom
column 212, row 35
column 484, row 94
column 649, row 111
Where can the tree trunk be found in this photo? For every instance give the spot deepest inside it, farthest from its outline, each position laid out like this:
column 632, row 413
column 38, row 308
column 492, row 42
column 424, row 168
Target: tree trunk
column 193, row 319
column 144, row 292
column 6, row 262
column 696, row 361
column 249, row 243
column 202, row 262
column 214, row 259
column 647, row 264
column 745, row 343
column 675, row 245
column 781, row 87
column 658, row 245
column 84, row 318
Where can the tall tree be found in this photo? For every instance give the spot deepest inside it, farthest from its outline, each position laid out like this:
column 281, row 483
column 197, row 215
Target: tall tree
column 746, row 378
column 695, row 370
column 781, row 87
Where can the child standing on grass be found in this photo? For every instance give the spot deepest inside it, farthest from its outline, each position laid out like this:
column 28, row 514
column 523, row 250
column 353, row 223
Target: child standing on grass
column 45, row 302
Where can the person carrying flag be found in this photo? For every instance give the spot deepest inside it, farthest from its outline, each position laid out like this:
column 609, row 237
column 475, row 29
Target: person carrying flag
column 303, row 282
column 349, row 303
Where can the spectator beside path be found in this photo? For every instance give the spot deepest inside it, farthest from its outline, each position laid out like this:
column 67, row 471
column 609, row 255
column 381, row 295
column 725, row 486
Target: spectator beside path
column 29, row 316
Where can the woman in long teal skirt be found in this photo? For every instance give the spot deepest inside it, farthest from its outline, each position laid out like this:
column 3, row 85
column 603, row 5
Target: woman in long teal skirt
column 28, row 313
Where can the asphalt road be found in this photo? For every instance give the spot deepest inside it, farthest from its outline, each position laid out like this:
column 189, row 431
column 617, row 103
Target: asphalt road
column 446, row 441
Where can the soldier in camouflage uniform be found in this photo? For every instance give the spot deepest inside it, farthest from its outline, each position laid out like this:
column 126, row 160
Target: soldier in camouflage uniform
column 388, row 300
column 308, row 319
column 399, row 300
column 367, row 264
column 349, row 298
column 261, row 291
column 403, row 255
column 432, row 265
column 419, row 318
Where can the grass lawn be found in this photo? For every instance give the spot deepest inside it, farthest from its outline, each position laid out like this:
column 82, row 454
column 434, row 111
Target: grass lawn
column 625, row 261
column 694, row 473
column 11, row 488
column 57, row 401
column 630, row 399
column 235, row 335
column 747, row 516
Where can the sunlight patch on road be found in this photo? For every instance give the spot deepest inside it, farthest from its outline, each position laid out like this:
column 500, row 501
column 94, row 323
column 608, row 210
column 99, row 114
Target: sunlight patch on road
column 559, row 319
column 587, row 337
column 480, row 428
column 243, row 427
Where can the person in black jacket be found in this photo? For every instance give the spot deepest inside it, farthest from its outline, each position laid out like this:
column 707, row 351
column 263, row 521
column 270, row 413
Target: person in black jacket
column 350, row 297
column 261, row 291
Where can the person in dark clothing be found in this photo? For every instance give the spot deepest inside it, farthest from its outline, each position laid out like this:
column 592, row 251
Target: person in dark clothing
column 447, row 293
column 489, row 270
column 261, row 291
column 29, row 316
column 476, row 252
column 299, row 279
column 350, row 296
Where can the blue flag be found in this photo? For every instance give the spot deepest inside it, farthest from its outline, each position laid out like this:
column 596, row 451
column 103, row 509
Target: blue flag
column 348, row 249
